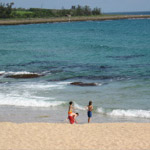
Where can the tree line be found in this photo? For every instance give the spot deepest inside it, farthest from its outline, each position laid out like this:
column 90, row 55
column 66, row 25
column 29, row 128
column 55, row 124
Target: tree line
column 6, row 11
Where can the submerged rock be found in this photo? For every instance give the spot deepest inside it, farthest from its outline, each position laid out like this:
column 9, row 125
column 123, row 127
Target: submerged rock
column 24, row 76
column 83, row 84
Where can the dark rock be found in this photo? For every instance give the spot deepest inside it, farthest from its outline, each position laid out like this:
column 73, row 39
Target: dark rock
column 24, row 76
column 102, row 67
column 126, row 57
column 105, row 67
column 83, row 84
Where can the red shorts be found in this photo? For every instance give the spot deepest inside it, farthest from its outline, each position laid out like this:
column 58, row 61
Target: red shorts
column 71, row 119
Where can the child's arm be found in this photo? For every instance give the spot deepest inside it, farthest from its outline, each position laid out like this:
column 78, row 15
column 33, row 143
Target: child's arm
column 76, row 122
column 86, row 107
column 75, row 119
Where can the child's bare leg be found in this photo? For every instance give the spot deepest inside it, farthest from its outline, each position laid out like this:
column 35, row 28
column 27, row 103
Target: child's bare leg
column 89, row 119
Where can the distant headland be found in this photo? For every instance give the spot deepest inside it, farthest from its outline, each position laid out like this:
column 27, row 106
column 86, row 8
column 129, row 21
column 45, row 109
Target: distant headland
column 17, row 16
column 69, row 19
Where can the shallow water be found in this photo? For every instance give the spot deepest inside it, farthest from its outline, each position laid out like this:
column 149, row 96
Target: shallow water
column 113, row 54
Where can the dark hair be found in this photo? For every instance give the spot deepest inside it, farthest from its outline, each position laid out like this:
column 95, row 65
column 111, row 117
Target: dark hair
column 77, row 114
column 90, row 103
column 70, row 103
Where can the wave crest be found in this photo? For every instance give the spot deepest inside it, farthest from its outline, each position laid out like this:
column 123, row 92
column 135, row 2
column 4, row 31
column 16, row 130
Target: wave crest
column 29, row 101
column 131, row 113
column 79, row 107
column 126, row 113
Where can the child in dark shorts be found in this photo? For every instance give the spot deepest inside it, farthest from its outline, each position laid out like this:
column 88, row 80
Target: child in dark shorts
column 89, row 113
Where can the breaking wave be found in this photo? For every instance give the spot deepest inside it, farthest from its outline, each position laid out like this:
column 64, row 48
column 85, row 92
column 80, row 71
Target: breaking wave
column 29, row 101
column 79, row 107
column 126, row 113
column 15, row 73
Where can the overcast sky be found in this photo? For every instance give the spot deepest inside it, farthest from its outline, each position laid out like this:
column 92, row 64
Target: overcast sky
column 105, row 5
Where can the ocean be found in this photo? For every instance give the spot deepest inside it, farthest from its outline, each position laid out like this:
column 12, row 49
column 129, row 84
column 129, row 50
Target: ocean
column 130, row 13
column 113, row 55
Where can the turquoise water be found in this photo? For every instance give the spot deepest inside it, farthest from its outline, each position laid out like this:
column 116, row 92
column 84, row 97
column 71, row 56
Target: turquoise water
column 113, row 54
column 131, row 13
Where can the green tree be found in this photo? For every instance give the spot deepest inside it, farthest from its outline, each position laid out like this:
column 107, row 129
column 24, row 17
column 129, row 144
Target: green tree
column 96, row 11
column 79, row 11
column 6, row 10
column 87, row 10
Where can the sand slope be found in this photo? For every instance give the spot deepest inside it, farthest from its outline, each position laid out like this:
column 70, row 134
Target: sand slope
column 105, row 136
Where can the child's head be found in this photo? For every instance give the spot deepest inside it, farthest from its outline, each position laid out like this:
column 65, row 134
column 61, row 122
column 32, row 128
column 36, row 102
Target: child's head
column 77, row 114
column 90, row 102
column 70, row 103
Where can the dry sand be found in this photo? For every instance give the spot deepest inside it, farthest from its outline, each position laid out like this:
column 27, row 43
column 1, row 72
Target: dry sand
column 102, row 136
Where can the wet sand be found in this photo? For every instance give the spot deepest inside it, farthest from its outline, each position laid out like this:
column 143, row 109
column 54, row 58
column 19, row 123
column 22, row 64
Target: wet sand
column 99, row 136
column 66, row 19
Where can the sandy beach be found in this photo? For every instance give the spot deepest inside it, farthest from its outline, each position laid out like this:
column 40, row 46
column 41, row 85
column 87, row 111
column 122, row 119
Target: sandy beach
column 66, row 19
column 103, row 136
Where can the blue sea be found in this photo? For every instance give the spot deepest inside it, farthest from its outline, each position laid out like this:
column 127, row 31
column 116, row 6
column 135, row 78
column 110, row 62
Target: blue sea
column 113, row 54
column 130, row 13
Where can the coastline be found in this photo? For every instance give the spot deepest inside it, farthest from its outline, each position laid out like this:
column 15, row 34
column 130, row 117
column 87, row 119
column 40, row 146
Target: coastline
column 106, row 136
column 71, row 19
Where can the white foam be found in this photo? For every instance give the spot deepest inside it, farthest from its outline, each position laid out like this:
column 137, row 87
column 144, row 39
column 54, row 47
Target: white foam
column 2, row 72
column 63, row 83
column 130, row 113
column 99, row 84
column 29, row 94
column 126, row 113
column 100, row 110
column 79, row 107
column 28, row 101
column 19, row 72
column 43, row 86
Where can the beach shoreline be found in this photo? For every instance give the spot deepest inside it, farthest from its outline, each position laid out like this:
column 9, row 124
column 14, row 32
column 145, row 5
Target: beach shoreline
column 106, row 136
column 69, row 19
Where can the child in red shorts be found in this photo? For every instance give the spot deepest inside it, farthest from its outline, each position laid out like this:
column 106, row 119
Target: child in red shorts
column 72, row 117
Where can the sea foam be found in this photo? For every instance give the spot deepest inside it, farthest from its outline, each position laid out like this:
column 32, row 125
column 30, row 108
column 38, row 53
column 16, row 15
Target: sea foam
column 30, row 101
column 79, row 107
column 126, row 113
column 131, row 113
column 16, row 73
column 2, row 72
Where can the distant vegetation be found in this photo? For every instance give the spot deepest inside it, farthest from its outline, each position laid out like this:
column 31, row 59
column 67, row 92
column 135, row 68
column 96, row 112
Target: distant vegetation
column 6, row 11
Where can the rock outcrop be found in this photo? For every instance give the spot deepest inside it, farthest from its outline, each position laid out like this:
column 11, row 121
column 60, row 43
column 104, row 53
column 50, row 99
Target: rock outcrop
column 83, row 84
column 24, row 76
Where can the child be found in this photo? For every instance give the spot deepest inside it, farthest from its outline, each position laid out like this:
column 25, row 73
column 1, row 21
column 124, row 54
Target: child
column 89, row 113
column 72, row 118
column 70, row 108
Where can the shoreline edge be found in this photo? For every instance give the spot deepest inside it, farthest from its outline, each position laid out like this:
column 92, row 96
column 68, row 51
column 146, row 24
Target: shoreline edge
column 71, row 19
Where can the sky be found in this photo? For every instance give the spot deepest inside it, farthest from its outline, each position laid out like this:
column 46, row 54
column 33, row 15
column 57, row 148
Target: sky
column 105, row 5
